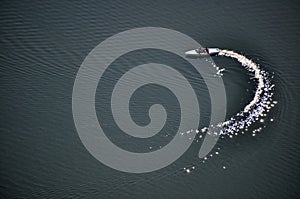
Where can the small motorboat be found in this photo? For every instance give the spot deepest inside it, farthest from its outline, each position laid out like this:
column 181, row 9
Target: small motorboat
column 202, row 52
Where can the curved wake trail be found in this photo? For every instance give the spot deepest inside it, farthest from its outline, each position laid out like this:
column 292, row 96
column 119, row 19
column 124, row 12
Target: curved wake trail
column 257, row 108
column 254, row 111
column 261, row 103
column 252, row 67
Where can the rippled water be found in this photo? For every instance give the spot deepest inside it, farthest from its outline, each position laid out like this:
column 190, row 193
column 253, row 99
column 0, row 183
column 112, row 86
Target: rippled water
column 42, row 47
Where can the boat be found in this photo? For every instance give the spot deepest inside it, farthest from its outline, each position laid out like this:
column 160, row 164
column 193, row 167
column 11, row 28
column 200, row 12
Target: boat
column 202, row 52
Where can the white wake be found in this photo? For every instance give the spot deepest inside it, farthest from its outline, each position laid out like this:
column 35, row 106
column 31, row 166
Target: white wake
column 255, row 110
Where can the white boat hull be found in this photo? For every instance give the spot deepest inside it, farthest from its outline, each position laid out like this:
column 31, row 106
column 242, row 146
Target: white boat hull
column 202, row 52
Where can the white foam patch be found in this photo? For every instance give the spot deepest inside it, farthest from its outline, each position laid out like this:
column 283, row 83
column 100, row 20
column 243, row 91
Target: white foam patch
column 254, row 111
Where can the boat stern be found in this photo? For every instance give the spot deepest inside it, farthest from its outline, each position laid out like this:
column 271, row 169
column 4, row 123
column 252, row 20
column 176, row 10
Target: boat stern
column 213, row 51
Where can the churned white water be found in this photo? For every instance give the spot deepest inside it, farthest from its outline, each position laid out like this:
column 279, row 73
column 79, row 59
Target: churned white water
column 255, row 111
column 258, row 107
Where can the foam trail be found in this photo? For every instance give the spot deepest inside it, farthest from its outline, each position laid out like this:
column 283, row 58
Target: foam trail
column 254, row 111
column 261, row 103
column 252, row 67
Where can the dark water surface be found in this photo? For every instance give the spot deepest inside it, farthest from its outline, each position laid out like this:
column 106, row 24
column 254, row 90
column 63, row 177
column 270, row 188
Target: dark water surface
column 42, row 47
